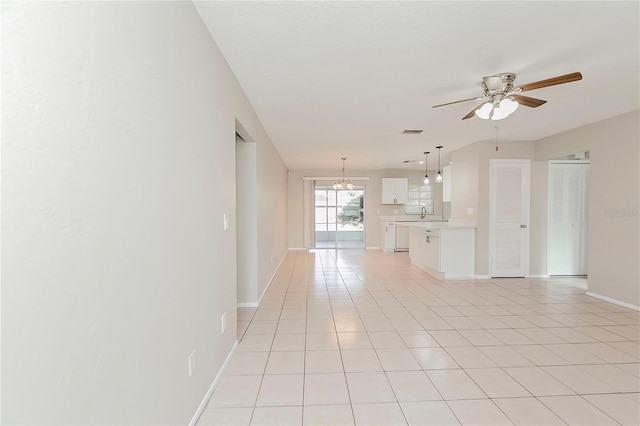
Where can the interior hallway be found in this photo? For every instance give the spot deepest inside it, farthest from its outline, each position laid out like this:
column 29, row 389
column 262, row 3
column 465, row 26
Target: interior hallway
column 361, row 336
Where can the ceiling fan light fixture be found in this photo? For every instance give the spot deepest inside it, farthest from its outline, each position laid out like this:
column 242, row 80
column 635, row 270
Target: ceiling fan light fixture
column 505, row 108
column 484, row 111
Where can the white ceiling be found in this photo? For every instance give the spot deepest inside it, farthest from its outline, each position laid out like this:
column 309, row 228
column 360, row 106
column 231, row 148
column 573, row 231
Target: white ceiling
column 333, row 79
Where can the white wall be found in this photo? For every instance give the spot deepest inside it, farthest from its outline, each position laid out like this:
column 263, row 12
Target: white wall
column 614, row 187
column 373, row 195
column 118, row 164
column 614, row 194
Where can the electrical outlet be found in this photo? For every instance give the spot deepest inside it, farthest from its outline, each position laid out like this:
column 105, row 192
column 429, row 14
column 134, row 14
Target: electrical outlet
column 225, row 218
column 223, row 322
column 192, row 363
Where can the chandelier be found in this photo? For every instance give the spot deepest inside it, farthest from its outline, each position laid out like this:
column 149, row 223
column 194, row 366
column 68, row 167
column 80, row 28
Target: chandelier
column 343, row 183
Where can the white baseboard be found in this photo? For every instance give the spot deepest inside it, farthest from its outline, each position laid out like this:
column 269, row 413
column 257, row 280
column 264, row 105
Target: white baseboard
column 247, row 305
column 614, row 301
column 372, row 248
column 536, row 276
column 275, row 271
column 214, row 384
column 298, row 248
column 481, row 277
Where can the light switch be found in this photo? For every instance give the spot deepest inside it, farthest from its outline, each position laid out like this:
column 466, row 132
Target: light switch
column 226, row 221
column 469, row 210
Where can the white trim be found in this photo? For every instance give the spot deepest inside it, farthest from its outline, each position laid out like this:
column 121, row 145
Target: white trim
column 335, row 177
column 247, row 305
column 297, row 248
column 614, row 301
column 372, row 248
column 482, row 277
column 214, row 384
column 536, row 276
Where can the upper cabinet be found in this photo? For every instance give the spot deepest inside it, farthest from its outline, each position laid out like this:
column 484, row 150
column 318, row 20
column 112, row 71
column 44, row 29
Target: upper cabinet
column 395, row 190
column 446, row 184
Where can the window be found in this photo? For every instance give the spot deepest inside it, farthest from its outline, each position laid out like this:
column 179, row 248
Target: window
column 419, row 196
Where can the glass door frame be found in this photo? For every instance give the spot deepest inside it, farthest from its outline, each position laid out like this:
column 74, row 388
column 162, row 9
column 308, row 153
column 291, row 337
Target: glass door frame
column 336, row 245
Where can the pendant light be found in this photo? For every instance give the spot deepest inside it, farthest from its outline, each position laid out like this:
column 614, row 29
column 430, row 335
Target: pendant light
column 426, row 171
column 343, row 184
column 439, row 176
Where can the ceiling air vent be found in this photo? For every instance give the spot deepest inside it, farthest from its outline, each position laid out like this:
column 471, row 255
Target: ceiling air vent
column 412, row 131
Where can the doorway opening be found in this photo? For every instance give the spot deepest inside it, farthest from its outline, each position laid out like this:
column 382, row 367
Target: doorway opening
column 339, row 217
column 247, row 233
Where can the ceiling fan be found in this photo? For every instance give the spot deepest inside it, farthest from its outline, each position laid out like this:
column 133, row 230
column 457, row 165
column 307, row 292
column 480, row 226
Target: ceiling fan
column 502, row 98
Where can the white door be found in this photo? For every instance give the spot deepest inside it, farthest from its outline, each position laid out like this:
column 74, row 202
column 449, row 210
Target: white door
column 509, row 218
column 567, row 223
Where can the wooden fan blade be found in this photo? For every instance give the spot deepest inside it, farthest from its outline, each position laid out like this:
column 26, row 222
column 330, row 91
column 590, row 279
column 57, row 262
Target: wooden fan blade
column 457, row 102
column 568, row 78
column 527, row 101
column 472, row 113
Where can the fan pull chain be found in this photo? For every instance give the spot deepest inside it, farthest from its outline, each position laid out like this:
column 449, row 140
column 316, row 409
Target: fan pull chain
column 497, row 148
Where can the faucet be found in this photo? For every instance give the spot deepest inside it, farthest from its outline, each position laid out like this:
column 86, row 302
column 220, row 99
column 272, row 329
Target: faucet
column 423, row 212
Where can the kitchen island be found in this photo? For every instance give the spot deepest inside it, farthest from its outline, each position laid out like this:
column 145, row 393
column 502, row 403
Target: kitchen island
column 446, row 252
column 395, row 230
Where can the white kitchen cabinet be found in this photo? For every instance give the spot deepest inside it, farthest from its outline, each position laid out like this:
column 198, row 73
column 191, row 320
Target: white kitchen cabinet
column 431, row 257
column 446, row 184
column 388, row 236
column 395, row 190
column 395, row 236
column 446, row 253
column 416, row 247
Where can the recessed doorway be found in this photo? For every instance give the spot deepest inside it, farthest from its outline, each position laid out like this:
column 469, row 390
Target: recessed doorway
column 339, row 217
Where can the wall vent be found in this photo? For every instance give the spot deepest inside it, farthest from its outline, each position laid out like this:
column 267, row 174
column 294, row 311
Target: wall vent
column 412, row 131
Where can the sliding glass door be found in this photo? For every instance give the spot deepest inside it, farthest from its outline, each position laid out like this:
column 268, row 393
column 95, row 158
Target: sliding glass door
column 339, row 217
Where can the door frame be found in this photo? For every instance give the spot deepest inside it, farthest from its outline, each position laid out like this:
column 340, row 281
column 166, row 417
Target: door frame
column 525, row 200
column 308, row 205
column 316, row 184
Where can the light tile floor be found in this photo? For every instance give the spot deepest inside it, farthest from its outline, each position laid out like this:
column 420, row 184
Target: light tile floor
column 362, row 337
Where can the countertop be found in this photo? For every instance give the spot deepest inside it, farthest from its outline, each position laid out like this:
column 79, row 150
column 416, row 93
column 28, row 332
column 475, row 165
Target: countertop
column 410, row 218
column 424, row 225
